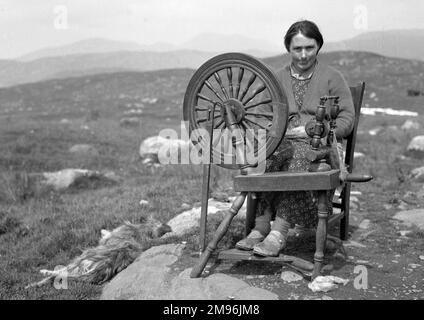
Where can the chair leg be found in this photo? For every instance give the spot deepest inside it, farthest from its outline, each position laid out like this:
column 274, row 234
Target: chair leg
column 344, row 222
column 321, row 235
column 250, row 212
column 219, row 233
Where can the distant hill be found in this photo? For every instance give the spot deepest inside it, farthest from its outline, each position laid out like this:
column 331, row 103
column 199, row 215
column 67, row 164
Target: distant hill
column 14, row 72
column 96, row 55
column 387, row 80
column 94, row 45
column 392, row 43
column 408, row 44
column 207, row 42
column 211, row 42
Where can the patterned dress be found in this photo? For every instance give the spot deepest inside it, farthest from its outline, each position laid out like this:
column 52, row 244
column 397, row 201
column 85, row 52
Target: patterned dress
column 296, row 207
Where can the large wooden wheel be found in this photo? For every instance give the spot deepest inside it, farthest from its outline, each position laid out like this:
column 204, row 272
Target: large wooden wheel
column 246, row 95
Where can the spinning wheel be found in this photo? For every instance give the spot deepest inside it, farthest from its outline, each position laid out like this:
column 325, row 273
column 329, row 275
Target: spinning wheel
column 236, row 96
column 233, row 97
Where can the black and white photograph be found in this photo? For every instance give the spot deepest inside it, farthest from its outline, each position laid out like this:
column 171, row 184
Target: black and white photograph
column 212, row 155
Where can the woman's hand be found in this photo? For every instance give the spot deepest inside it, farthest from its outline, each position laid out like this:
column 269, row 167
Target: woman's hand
column 297, row 132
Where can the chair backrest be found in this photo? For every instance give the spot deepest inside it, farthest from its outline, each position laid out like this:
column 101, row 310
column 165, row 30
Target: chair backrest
column 357, row 96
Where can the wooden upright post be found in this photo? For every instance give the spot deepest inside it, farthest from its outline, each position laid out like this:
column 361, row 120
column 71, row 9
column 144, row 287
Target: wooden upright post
column 219, row 233
column 321, row 235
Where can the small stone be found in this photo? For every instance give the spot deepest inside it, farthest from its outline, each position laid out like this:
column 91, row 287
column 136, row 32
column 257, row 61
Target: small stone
column 403, row 233
column 362, row 261
column 289, row 276
column 395, row 261
column 387, row 206
column 352, row 243
column 365, row 224
column 403, row 205
column 380, row 266
column 143, row 202
column 421, row 257
column 84, row 150
column 414, row 265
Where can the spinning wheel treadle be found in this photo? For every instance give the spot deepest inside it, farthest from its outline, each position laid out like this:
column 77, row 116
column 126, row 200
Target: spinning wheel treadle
column 236, row 91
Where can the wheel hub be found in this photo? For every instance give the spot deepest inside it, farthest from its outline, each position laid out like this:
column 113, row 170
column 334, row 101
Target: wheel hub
column 236, row 108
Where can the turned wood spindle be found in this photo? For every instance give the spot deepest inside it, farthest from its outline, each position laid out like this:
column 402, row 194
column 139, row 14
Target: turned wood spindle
column 321, row 234
column 219, row 233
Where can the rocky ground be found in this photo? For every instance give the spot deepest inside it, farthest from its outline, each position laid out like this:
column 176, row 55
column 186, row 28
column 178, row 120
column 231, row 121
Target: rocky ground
column 384, row 261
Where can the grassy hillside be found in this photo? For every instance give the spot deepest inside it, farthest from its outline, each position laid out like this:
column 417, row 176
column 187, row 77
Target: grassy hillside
column 49, row 229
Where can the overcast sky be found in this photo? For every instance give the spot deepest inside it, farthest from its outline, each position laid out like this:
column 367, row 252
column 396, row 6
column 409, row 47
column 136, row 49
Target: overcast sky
column 27, row 25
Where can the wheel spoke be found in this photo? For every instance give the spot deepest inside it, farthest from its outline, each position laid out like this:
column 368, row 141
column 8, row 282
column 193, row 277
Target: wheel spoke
column 255, row 92
column 259, row 125
column 218, row 124
column 249, row 83
column 201, row 96
column 239, row 78
column 208, row 84
column 197, row 108
column 263, row 114
column 230, row 80
column 257, row 104
column 206, row 119
column 218, row 79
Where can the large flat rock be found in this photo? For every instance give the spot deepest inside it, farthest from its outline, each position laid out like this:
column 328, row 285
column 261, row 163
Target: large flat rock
column 217, row 286
column 187, row 220
column 415, row 217
column 152, row 276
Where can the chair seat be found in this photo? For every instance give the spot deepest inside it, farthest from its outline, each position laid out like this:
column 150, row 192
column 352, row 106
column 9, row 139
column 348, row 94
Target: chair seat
column 287, row 181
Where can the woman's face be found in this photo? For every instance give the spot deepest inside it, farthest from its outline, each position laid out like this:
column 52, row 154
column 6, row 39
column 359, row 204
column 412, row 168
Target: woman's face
column 303, row 51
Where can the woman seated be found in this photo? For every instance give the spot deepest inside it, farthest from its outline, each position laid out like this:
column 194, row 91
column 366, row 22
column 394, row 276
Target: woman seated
column 305, row 80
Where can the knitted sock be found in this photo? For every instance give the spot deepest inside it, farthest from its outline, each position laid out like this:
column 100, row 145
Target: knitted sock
column 281, row 225
column 263, row 222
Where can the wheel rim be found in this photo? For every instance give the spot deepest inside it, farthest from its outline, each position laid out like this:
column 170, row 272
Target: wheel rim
column 243, row 86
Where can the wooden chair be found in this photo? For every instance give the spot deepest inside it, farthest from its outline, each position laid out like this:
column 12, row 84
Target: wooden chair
column 248, row 185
